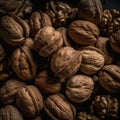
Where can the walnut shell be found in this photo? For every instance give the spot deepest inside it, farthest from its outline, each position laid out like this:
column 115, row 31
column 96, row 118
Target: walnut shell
column 90, row 10
column 92, row 60
column 9, row 90
column 29, row 100
column 23, row 64
column 13, row 30
column 83, row 32
column 62, row 110
column 109, row 78
column 48, row 41
column 10, row 112
column 2, row 52
column 39, row 20
column 79, row 88
column 66, row 62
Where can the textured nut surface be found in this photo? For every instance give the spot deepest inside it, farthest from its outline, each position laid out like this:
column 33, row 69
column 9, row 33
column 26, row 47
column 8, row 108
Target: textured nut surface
column 2, row 52
column 23, row 64
column 83, row 32
column 48, row 41
column 79, row 88
column 109, row 78
column 66, row 62
column 92, row 60
column 62, row 110
column 29, row 100
column 10, row 112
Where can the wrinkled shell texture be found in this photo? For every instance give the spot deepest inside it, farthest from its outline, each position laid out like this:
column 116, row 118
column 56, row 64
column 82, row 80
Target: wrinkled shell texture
column 109, row 78
column 2, row 52
column 62, row 110
column 23, row 64
column 83, row 32
column 30, row 101
column 66, row 62
column 92, row 60
column 48, row 41
column 79, row 88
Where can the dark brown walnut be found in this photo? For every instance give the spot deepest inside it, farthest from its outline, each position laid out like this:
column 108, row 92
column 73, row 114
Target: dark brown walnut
column 58, row 108
column 103, row 44
column 109, row 78
column 9, row 90
column 79, row 88
column 66, row 39
column 39, row 20
column 92, row 60
column 105, row 107
column 47, row 84
column 83, row 32
column 38, row 118
column 23, row 63
column 30, row 101
column 86, row 116
column 90, row 10
column 2, row 52
column 13, row 30
column 115, row 41
column 10, row 112
column 66, row 62
column 48, row 41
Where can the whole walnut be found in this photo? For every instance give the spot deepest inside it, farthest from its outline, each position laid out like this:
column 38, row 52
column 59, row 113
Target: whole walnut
column 29, row 100
column 10, row 112
column 109, row 78
column 23, row 63
column 103, row 43
column 39, row 20
column 9, row 90
column 58, row 108
column 92, row 60
column 46, row 83
column 83, row 32
column 90, row 10
column 48, row 41
column 2, row 52
column 66, row 62
column 13, row 30
column 79, row 88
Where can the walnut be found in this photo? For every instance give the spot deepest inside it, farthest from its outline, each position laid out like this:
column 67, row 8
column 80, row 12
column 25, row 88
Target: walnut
column 92, row 60
column 62, row 110
column 48, row 41
column 29, row 100
column 79, row 88
column 109, row 78
column 38, row 118
column 13, row 30
column 46, row 83
column 39, row 20
column 23, row 63
column 90, row 10
column 9, row 90
column 83, row 32
column 66, row 62
column 10, row 112
column 2, row 52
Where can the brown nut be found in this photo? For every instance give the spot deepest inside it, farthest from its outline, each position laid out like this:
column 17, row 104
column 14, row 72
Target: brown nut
column 39, row 20
column 23, row 64
column 10, row 112
column 90, row 10
column 29, row 100
column 103, row 44
column 92, row 60
column 66, row 62
column 62, row 110
column 38, row 118
column 79, row 88
column 83, row 32
column 48, row 41
column 13, row 30
column 2, row 52
column 109, row 78
column 9, row 90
